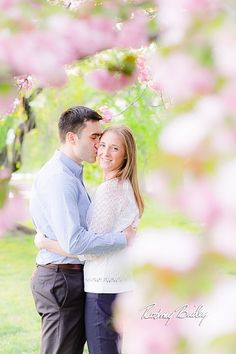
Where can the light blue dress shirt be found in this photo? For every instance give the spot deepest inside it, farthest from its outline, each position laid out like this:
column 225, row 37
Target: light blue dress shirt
column 59, row 204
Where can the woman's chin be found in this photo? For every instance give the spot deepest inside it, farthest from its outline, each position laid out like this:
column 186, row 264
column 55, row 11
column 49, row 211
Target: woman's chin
column 105, row 167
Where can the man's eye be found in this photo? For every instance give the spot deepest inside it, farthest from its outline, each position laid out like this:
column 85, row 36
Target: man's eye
column 101, row 145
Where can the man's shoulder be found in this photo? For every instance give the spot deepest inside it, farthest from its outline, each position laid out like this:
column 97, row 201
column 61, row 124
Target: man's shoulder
column 54, row 170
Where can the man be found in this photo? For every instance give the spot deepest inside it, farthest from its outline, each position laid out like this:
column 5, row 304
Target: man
column 59, row 204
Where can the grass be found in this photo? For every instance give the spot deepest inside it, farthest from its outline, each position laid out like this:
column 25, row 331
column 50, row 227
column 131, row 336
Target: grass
column 20, row 323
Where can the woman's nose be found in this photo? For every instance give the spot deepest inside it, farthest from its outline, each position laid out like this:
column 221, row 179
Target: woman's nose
column 106, row 151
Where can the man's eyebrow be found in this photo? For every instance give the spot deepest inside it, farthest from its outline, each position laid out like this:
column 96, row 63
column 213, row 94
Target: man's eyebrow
column 96, row 134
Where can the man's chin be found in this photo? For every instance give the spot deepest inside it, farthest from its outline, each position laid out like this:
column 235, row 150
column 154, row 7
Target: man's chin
column 92, row 159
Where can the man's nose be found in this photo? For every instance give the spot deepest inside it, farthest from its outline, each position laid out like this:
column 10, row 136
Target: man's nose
column 96, row 143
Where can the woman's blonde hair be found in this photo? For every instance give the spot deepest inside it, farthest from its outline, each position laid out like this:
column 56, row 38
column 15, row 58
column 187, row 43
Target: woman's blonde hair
column 128, row 169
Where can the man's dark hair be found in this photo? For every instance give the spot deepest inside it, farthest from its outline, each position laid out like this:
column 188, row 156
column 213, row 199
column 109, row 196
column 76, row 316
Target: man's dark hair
column 74, row 119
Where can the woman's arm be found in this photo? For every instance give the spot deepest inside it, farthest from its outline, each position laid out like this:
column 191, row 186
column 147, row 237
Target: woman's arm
column 41, row 241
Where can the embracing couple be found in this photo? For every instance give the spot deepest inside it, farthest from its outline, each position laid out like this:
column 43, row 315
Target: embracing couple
column 81, row 261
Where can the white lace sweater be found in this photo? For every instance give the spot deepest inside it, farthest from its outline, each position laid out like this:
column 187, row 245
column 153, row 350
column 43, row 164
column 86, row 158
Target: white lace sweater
column 113, row 209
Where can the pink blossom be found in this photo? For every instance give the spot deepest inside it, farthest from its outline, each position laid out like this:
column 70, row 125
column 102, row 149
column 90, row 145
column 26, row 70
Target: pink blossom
column 222, row 236
column 105, row 80
column 157, row 184
column 105, row 113
column 228, row 96
column 223, row 141
column 220, row 304
column 85, row 36
column 25, row 83
column 224, row 49
column 225, row 186
column 7, row 103
column 73, row 4
column 197, row 200
column 13, row 211
column 7, row 4
column 5, row 174
column 154, row 86
column 140, row 334
column 133, row 33
column 201, row 7
column 211, row 110
column 98, row 33
column 142, row 70
column 186, row 135
column 47, row 78
column 158, row 247
column 174, row 21
column 176, row 16
column 61, row 42
column 47, row 65
column 180, row 77
column 5, row 39
column 183, row 135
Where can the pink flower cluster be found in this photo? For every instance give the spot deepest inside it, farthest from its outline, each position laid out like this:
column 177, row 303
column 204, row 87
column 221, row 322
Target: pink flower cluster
column 141, row 333
column 105, row 113
column 176, row 17
column 133, row 33
column 25, row 83
column 105, row 80
column 180, row 77
column 7, row 4
column 13, row 211
column 44, row 51
column 143, row 70
column 7, row 103
column 158, row 247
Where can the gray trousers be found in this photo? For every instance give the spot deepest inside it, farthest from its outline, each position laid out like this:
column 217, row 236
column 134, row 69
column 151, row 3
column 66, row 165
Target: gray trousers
column 59, row 300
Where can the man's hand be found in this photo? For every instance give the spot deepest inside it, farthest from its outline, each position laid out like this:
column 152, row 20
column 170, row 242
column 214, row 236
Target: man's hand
column 130, row 233
column 39, row 239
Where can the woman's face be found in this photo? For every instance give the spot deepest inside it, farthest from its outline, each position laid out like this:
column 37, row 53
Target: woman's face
column 111, row 152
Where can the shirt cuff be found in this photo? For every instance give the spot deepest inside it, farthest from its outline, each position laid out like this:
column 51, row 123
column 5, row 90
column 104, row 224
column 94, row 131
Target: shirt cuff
column 121, row 239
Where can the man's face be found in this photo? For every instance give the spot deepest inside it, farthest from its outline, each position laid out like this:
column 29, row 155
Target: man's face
column 87, row 142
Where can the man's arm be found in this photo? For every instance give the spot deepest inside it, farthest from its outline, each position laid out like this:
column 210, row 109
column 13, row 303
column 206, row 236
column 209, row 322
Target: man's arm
column 53, row 246
column 106, row 210
column 64, row 218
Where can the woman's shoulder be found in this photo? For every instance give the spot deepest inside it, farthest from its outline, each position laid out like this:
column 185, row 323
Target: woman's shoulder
column 108, row 186
column 114, row 185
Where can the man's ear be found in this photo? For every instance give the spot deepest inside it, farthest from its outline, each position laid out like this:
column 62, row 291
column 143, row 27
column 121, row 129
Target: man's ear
column 71, row 138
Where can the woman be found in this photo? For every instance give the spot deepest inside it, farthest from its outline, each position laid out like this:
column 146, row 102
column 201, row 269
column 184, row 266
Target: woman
column 116, row 205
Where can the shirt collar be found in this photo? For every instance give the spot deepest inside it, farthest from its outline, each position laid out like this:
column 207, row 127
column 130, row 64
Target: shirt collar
column 75, row 168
